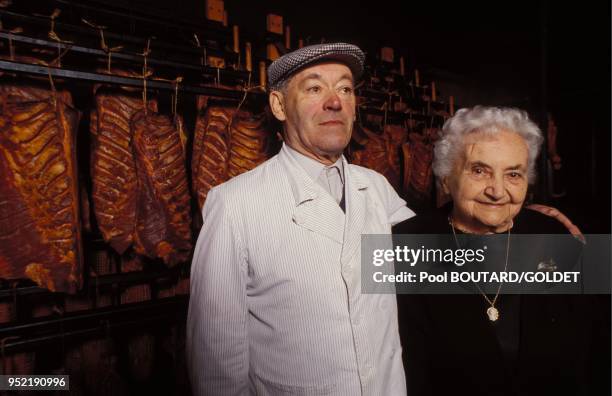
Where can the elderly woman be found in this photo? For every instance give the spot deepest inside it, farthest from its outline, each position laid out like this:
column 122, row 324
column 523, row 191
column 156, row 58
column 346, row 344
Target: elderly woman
column 492, row 343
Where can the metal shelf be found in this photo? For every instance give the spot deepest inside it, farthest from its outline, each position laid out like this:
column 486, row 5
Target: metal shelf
column 115, row 55
column 116, row 38
column 93, row 323
column 135, row 14
column 102, row 282
column 401, row 116
column 412, row 102
column 39, row 70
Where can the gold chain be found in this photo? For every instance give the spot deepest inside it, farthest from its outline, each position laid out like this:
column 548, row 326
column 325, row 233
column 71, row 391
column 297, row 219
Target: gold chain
column 491, row 303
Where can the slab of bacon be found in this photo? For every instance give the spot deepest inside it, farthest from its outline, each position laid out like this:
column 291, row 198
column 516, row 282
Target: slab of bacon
column 163, row 219
column 225, row 145
column 40, row 235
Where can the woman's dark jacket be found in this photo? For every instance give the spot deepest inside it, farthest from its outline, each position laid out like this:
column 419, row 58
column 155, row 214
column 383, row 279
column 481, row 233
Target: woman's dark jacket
column 542, row 344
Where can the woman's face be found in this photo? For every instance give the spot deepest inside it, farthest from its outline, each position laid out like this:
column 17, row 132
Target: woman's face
column 488, row 183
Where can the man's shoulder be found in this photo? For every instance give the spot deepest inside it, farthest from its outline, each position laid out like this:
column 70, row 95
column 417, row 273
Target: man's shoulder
column 431, row 221
column 368, row 174
column 382, row 191
column 257, row 179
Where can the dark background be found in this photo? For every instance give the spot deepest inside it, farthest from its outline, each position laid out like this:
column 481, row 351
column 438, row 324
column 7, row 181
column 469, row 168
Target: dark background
column 537, row 55
column 541, row 56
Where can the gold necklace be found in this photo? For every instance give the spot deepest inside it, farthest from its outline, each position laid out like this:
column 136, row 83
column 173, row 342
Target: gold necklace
column 492, row 311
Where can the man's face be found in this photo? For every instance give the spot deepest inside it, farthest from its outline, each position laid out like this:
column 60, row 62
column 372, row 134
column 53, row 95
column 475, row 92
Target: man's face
column 488, row 183
column 317, row 109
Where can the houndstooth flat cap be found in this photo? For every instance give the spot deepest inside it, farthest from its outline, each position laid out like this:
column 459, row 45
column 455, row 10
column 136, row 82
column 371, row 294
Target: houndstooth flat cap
column 288, row 64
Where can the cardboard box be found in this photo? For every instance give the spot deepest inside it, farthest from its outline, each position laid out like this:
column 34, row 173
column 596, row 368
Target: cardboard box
column 386, row 54
column 272, row 52
column 215, row 61
column 274, row 23
column 215, row 10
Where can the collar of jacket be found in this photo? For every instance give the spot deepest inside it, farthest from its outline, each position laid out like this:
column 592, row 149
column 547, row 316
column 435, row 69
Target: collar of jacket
column 304, row 188
column 326, row 217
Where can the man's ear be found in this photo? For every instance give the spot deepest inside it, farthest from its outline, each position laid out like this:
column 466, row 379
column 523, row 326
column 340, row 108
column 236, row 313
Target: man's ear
column 277, row 105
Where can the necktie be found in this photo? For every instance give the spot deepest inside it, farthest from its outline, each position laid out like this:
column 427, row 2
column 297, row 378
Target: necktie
column 335, row 185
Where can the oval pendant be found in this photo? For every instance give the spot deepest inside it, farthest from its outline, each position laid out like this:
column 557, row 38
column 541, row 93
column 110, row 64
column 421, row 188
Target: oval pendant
column 493, row 314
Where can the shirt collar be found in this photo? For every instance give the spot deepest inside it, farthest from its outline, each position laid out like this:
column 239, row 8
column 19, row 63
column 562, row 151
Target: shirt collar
column 313, row 167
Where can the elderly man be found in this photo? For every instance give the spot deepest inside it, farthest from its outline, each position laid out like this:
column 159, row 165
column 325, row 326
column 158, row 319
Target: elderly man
column 276, row 305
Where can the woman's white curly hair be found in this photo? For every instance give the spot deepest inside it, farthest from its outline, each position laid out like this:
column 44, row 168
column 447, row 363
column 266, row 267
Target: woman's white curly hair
column 490, row 120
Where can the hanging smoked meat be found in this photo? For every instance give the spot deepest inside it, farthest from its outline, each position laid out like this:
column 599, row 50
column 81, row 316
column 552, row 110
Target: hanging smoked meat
column 163, row 219
column 381, row 152
column 374, row 152
column 114, row 185
column 418, row 173
column 210, row 150
column 249, row 142
column 179, row 123
column 16, row 93
column 395, row 136
column 225, row 145
column 40, row 236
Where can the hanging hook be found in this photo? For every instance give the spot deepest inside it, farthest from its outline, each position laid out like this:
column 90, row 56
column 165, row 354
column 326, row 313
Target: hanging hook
column 14, row 295
column 53, row 36
column 145, row 73
column 199, row 46
column 177, row 81
column 385, row 108
column 10, row 40
column 108, row 50
column 53, row 91
column 2, row 350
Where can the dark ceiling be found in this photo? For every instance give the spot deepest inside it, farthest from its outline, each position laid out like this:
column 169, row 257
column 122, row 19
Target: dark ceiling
column 516, row 46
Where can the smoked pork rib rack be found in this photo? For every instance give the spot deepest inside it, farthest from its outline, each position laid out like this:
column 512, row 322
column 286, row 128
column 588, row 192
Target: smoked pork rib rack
column 114, row 185
column 163, row 219
column 249, row 142
column 225, row 145
column 381, row 153
column 40, row 236
column 418, row 171
column 210, row 155
column 395, row 136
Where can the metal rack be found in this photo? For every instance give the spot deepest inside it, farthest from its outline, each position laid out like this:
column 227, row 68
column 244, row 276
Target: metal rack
column 26, row 334
column 213, row 30
column 102, row 282
column 116, row 80
column 103, row 322
column 217, row 33
column 149, row 17
column 186, row 64
column 119, row 55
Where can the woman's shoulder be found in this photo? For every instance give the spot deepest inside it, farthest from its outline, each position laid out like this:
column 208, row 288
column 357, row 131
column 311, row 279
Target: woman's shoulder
column 435, row 221
column 530, row 221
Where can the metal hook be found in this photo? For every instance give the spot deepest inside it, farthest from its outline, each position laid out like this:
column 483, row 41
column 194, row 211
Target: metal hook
column 14, row 289
column 2, row 350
